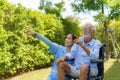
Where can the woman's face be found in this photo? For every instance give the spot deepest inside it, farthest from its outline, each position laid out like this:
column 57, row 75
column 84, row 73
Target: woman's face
column 69, row 41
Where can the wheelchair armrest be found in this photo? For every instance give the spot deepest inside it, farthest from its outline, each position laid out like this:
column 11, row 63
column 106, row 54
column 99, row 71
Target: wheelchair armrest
column 92, row 61
column 97, row 61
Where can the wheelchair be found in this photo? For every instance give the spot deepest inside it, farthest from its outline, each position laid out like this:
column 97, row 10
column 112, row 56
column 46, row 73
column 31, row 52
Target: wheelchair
column 100, row 65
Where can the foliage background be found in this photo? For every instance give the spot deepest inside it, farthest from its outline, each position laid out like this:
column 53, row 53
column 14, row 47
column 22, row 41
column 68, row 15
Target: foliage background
column 20, row 52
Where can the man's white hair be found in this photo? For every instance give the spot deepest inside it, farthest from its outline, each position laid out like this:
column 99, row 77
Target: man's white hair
column 93, row 28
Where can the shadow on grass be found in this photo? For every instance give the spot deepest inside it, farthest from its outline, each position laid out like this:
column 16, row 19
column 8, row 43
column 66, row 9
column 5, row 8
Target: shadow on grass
column 112, row 70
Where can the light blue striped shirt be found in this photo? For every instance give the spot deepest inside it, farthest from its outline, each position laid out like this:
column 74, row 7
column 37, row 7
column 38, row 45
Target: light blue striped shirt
column 80, row 56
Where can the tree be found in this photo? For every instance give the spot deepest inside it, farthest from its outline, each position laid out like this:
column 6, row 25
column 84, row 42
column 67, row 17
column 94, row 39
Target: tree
column 111, row 7
column 114, row 33
column 71, row 25
column 48, row 7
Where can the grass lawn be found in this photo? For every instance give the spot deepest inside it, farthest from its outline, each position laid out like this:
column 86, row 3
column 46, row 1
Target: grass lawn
column 112, row 72
column 33, row 75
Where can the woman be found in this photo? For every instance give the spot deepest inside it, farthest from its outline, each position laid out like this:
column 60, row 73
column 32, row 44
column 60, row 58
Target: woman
column 56, row 49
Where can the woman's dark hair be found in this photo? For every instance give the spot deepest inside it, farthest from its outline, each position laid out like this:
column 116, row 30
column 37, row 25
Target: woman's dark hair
column 73, row 36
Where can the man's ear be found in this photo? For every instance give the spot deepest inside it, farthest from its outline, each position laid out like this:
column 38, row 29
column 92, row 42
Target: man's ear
column 93, row 32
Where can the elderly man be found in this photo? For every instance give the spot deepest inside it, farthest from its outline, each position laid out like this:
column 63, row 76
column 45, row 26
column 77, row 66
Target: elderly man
column 84, row 49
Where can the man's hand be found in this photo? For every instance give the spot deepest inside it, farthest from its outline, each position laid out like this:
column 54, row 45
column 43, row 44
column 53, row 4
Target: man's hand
column 77, row 41
column 30, row 32
column 60, row 60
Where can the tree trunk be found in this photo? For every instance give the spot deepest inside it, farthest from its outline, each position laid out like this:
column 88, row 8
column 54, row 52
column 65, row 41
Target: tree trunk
column 106, row 34
column 106, row 38
column 113, row 43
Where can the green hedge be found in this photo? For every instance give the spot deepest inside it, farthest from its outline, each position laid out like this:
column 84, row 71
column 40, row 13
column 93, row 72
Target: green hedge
column 20, row 52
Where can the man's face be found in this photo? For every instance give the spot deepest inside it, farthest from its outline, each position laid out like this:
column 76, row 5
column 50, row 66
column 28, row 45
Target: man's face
column 87, row 32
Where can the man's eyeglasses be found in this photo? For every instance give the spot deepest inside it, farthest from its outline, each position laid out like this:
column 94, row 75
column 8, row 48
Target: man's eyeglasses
column 86, row 29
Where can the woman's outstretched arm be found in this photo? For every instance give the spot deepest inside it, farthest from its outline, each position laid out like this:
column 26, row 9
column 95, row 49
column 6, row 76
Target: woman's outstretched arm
column 39, row 36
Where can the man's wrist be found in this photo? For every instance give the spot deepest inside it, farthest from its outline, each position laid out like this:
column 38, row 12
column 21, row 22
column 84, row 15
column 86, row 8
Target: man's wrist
column 80, row 44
